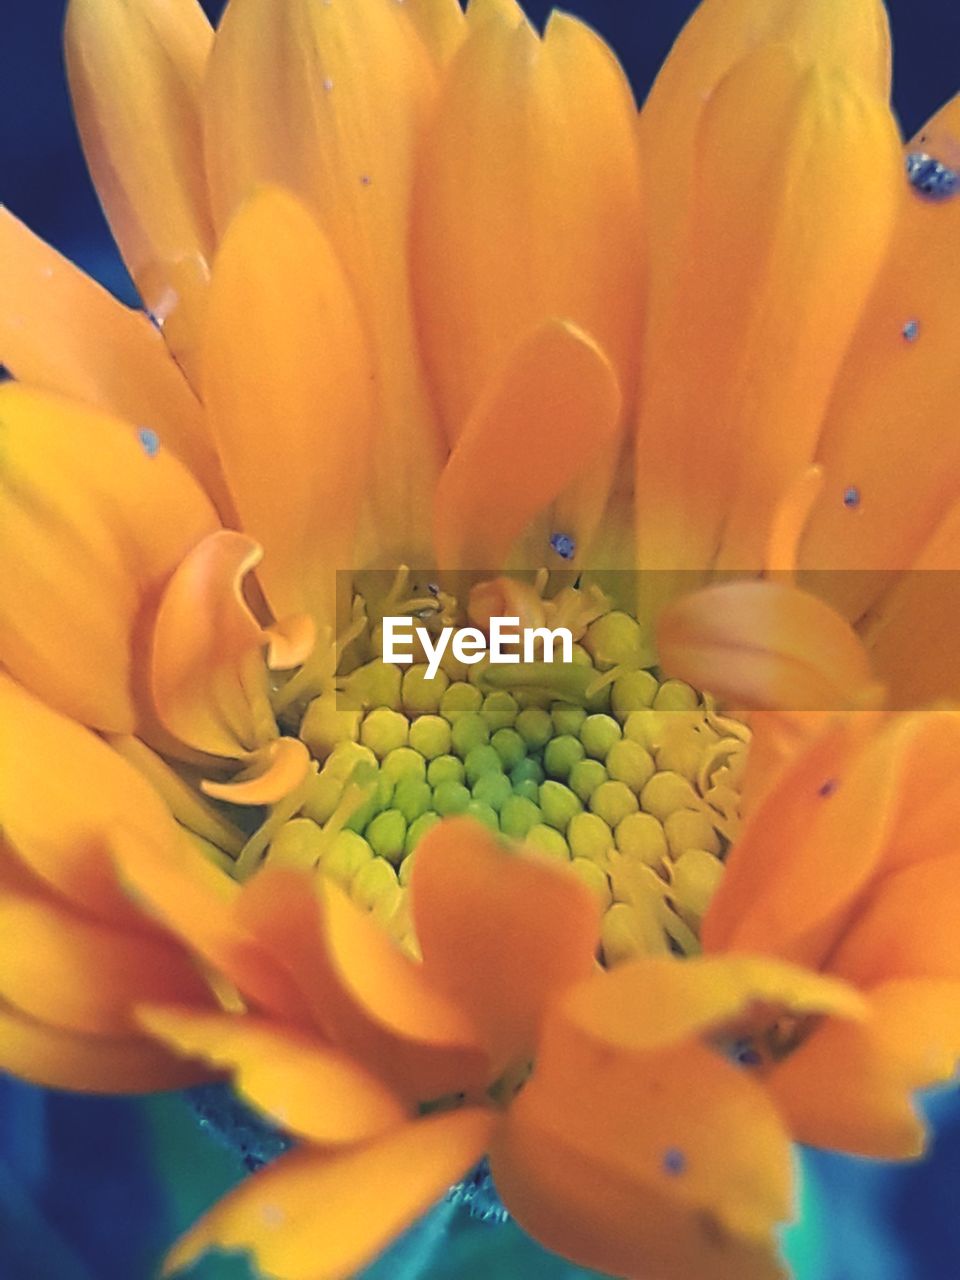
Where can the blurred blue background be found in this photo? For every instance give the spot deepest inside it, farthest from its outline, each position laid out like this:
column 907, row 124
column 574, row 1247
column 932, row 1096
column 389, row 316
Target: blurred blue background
column 92, row 1189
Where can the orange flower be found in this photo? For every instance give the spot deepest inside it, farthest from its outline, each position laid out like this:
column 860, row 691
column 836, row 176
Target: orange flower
column 506, row 1038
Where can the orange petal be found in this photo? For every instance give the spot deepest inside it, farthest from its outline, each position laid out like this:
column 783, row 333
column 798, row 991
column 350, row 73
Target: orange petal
column 853, row 35
column 537, row 426
column 60, row 331
column 94, row 520
column 905, row 927
column 810, row 847
column 62, row 791
column 287, row 385
column 321, row 1217
column 194, row 900
column 848, row 1086
column 208, row 677
column 501, row 932
column 307, row 1087
column 929, row 790
column 329, row 101
column 135, row 74
column 752, row 330
column 83, row 976
column 603, row 1158
column 537, row 139
column 766, row 645
column 440, row 25
column 57, row 1059
column 906, row 468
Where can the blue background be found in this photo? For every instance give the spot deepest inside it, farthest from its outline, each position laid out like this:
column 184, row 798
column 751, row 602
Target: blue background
column 90, row 1189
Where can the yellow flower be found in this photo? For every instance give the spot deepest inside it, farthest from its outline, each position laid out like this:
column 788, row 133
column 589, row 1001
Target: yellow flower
column 506, row 1038
column 423, row 290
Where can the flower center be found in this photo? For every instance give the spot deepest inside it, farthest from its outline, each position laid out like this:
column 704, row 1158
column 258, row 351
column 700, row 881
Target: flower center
column 631, row 780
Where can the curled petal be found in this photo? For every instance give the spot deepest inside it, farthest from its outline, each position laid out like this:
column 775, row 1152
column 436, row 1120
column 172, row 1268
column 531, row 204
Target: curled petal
column 208, row 676
column 766, row 645
column 538, row 424
column 94, row 519
column 310, row 1088
column 312, row 1216
column 501, row 932
column 276, row 770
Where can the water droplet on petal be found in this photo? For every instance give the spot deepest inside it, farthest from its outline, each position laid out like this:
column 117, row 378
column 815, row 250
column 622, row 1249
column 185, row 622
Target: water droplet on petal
column 851, row 497
column 563, row 545
column 149, row 440
column 328, row 84
column 931, row 178
column 164, row 308
column 911, row 330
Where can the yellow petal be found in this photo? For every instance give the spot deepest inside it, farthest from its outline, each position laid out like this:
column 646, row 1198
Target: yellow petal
column 754, row 329
column 766, row 645
column 851, row 34
column 60, row 331
column 810, row 847
column 58, row 1059
column 62, row 790
column 440, row 24
column 136, row 72
column 311, row 1216
column 906, row 468
column 528, row 206
column 500, row 932
column 305, row 1086
column 275, row 772
column 208, row 677
column 329, row 101
column 848, row 1086
column 287, row 385
column 73, row 973
column 603, row 1158
column 539, row 423
column 94, row 520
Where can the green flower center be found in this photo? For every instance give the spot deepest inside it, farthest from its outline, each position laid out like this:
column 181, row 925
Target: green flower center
column 631, row 780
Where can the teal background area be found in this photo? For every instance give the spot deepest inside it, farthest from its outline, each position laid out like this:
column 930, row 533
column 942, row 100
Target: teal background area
column 93, row 1189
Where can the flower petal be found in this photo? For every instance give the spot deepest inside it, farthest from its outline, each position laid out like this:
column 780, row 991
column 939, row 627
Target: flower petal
column 848, row 1086
column 329, row 101
column 288, row 392
column 810, row 847
column 135, row 74
column 752, row 331
column 94, row 520
column 60, row 331
column 57, row 1059
column 538, row 425
column 321, row 1217
column 501, row 932
column 538, row 140
column 307, row 1087
column 440, row 24
column 603, row 1158
column 768, row 646
column 906, row 468
column 83, row 976
column 207, row 674
column 62, row 791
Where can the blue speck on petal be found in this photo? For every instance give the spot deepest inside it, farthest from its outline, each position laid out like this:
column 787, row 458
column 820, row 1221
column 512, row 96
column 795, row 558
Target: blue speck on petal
column 851, row 497
column 911, row 330
column 931, row 178
column 150, row 441
column 828, row 788
column 563, row 545
column 674, row 1162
